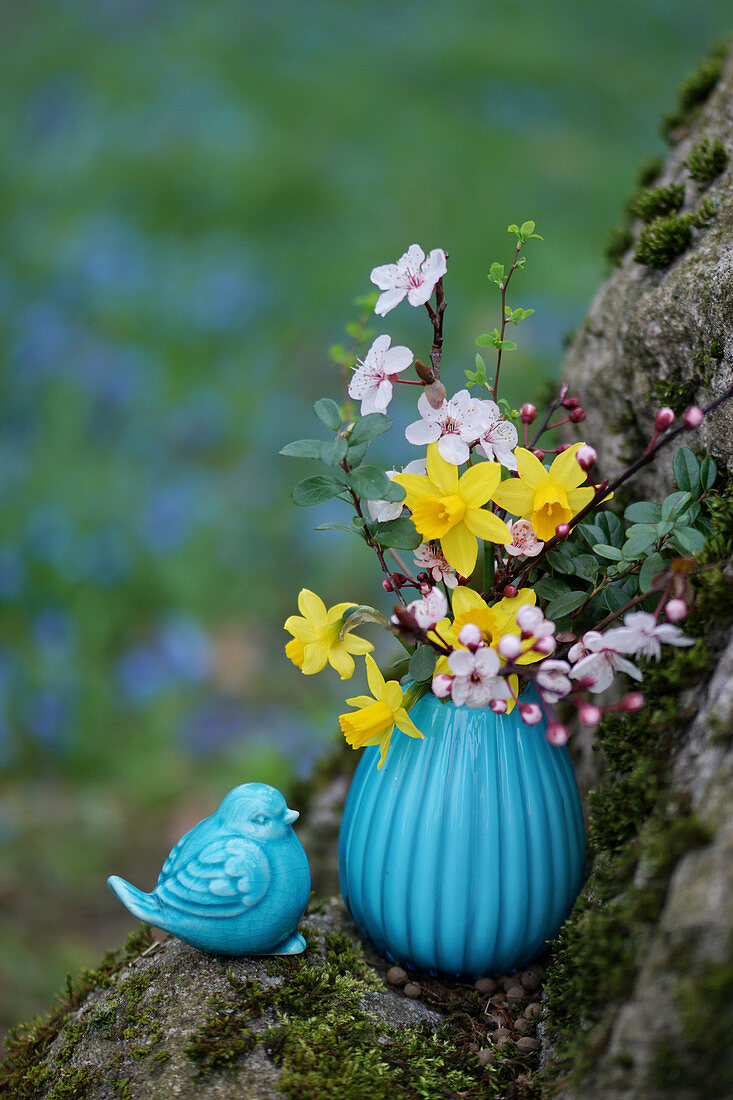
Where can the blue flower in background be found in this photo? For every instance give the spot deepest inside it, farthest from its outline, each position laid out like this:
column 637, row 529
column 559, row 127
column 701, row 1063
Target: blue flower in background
column 186, row 648
column 48, row 713
column 143, row 674
column 51, row 535
column 214, row 724
column 105, row 556
column 54, row 632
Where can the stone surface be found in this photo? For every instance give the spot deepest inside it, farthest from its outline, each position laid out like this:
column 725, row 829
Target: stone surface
column 665, row 337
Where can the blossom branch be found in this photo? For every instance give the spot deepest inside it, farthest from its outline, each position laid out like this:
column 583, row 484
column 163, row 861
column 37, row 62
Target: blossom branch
column 504, row 286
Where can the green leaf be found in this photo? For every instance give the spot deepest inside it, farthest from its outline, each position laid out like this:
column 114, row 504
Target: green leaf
column 606, row 551
column 686, row 470
column 591, row 533
column 708, row 474
column 422, row 664
column 688, row 540
column 614, row 597
column 336, row 526
column 358, row 454
column 637, row 546
column 372, row 483
column 643, row 511
column 512, row 229
column 563, row 605
column 652, row 567
column 328, row 413
column 302, row 448
column 334, row 452
column 398, row 533
column 612, row 528
column 561, row 560
column 507, row 345
column 586, row 566
column 486, row 340
column 527, row 229
column 369, row 427
column 549, row 588
column 315, row 490
column 674, row 503
column 496, row 273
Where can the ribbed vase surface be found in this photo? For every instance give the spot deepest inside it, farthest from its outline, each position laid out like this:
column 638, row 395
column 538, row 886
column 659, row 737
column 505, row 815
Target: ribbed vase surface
column 463, row 855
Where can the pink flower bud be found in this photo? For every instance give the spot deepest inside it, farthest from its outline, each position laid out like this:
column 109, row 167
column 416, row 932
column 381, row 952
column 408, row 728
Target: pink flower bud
column 398, row 580
column 510, row 591
column 545, row 645
column 538, row 454
column 499, row 706
column 441, row 685
column 586, row 457
column 470, row 635
column 693, row 417
column 423, row 577
column 509, row 646
column 589, row 714
column 563, row 447
column 665, row 419
column 387, row 585
column 528, row 413
column 634, row 701
column 562, row 530
column 556, row 734
column 676, row 610
column 530, row 713
column 566, row 637
column 571, row 402
column 425, row 588
column 576, row 415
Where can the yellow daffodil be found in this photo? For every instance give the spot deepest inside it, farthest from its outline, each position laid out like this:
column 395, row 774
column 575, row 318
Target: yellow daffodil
column 545, row 497
column 317, row 637
column 449, row 510
column 373, row 722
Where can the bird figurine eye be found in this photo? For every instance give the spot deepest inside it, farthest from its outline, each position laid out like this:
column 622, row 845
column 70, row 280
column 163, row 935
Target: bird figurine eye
column 260, row 819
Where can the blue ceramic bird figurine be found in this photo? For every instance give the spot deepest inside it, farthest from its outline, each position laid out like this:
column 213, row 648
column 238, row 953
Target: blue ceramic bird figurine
column 236, row 884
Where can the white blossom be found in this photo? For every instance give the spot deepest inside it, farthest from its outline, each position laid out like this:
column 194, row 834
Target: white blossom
column 641, row 635
column 499, row 438
column 371, row 382
column 531, row 620
column 430, row 609
column 525, row 543
column 412, row 276
column 594, row 659
column 430, row 557
column 552, row 677
column 475, row 677
column 456, row 423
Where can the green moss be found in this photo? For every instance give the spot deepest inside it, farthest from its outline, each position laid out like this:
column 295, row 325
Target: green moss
column 654, row 202
column 73, row 1084
column 694, row 92
column 707, row 161
column 663, row 241
column 22, row 1071
column 638, row 827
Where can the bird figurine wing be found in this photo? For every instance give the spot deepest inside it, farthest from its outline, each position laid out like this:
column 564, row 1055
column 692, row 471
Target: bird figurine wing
column 224, row 878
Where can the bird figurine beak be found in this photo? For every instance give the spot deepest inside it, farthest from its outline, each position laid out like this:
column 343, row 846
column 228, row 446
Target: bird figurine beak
column 291, row 816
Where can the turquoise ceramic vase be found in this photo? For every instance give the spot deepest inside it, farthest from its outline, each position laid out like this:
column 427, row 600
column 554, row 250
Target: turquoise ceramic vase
column 463, row 855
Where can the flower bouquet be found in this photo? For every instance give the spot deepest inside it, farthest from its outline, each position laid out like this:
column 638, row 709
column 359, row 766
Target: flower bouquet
column 516, row 583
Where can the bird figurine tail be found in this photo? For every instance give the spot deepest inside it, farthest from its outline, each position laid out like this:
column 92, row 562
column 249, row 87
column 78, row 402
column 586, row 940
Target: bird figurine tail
column 144, row 906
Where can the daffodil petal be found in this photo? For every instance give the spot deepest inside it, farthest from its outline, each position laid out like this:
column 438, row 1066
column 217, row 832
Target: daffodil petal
column 465, row 599
column 487, row 526
column 460, row 549
column 530, row 469
column 392, row 694
column 360, row 701
column 384, row 746
column 515, row 496
column 342, row 661
column 565, row 470
column 479, row 482
column 314, row 658
column 337, row 611
column 352, row 643
column 511, row 702
column 403, row 722
column 443, row 474
column 578, row 498
column 311, row 605
column 414, row 485
column 374, row 677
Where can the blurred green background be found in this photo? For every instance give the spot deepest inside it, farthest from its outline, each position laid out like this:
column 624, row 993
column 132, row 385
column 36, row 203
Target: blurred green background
column 193, row 195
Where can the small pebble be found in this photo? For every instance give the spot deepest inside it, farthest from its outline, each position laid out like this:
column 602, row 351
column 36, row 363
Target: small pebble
column 530, row 980
column 487, row 986
column 486, row 1058
column 533, row 1011
column 503, row 1035
column 396, row 975
column 473, row 1047
column 527, row 1044
column 515, row 993
column 506, row 981
column 412, row 990
column 521, row 1025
